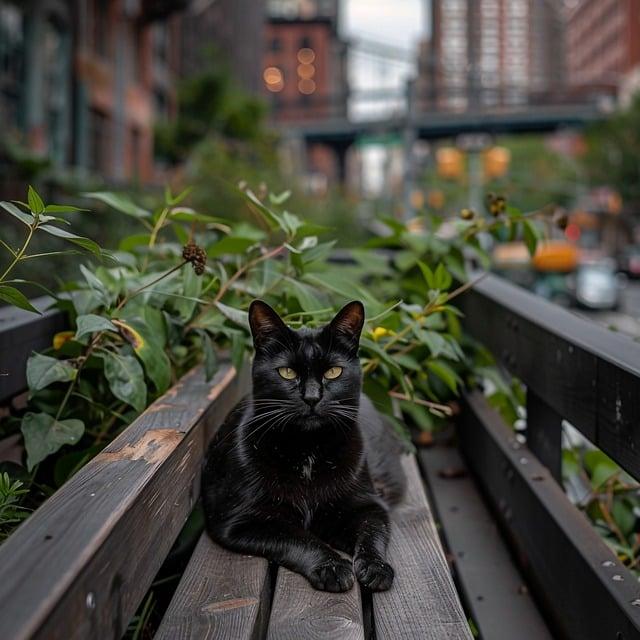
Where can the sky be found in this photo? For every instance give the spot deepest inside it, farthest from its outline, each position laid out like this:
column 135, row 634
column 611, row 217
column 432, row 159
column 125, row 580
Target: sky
column 397, row 23
column 401, row 24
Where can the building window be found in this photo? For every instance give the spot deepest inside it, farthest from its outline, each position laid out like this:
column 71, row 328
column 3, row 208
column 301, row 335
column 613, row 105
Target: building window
column 99, row 139
column 99, row 27
column 305, row 43
column 11, row 64
column 275, row 45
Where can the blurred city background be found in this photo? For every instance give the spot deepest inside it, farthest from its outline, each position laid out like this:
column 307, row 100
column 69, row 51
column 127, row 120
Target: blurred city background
column 366, row 107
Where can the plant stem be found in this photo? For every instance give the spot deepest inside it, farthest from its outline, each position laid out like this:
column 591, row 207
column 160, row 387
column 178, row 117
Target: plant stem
column 7, row 247
column 133, row 294
column 18, row 255
column 425, row 403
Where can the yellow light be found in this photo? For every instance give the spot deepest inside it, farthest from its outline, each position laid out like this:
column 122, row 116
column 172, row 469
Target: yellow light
column 450, row 162
column 306, row 56
column 496, row 162
column 273, row 79
column 306, row 70
column 306, row 86
column 272, row 75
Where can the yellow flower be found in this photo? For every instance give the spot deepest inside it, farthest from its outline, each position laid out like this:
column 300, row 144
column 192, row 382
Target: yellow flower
column 380, row 332
column 61, row 338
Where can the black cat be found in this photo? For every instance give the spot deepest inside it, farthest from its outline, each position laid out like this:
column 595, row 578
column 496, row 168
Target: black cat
column 306, row 465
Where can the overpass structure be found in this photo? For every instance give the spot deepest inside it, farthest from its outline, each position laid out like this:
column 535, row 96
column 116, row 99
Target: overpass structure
column 437, row 125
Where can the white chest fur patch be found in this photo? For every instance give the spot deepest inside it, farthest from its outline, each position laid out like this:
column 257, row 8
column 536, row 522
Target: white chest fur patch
column 307, row 468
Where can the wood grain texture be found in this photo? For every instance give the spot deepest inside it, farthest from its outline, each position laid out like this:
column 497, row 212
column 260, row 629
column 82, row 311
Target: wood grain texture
column 586, row 591
column 299, row 611
column 423, row 602
column 221, row 595
column 493, row 589
column 22, row 333
column 588, row 374
column 79, row 567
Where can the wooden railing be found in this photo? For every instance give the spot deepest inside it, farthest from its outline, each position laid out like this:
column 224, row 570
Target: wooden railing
column 588, row 375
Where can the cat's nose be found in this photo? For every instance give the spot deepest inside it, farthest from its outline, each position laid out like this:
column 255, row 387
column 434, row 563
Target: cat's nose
column 312, row 395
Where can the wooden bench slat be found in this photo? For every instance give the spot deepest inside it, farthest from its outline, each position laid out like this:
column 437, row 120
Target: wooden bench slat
column 79, row 567
column 423, row 602
column 300, row 611
column 221, row 595
column 492, row 585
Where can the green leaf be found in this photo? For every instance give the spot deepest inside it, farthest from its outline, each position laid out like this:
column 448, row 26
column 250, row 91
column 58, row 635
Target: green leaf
column 445, row 373
column 280, row 198
column 136, row 240
column 191, row 288
column 44, row 370
column 25, row 218
column 378, row 351
column 210, row 357
column 531, row 235
column 237, row 316
column 120, row 203
column 62, row 208
column 600, row 466
column 35, row 201
column 96, row 285
column 91, row 323
column 16, row 298
column 427, row 274
column 442, row 278
column 237, row 350
column 149, row 347
column 230, row 245
column 85, row 243
column 305, row 294
column 126, row 378
column 44, row 435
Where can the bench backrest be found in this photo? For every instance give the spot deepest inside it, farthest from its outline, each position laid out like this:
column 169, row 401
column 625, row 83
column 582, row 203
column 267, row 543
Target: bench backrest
column 588, row 375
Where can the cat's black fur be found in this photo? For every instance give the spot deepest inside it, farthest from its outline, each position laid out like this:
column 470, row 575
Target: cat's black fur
column 306, row 466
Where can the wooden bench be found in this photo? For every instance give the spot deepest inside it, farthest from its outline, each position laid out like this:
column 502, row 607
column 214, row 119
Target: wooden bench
column 80, row 566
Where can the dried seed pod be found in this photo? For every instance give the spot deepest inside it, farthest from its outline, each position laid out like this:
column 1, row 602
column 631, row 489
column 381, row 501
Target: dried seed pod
column 560, row 219
column 467, row 214
column 196, row 255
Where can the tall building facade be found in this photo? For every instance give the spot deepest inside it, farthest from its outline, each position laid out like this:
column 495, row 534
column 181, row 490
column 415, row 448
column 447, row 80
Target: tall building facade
column 304, row 68
column 603, row 45
column 232, row 29
column 489, row 53
column 83, row 81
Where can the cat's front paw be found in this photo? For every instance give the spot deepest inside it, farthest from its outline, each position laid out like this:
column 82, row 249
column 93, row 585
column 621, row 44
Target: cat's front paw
column 332, row 575
column 373, row 572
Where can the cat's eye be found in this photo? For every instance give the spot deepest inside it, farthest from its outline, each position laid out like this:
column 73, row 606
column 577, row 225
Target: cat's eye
column 287, row 373
column 333, row 373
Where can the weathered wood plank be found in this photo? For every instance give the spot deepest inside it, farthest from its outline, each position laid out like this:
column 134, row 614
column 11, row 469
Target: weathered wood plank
column 221, row 595
column 22, row 333
column 586, row 373
column 492, row 588
column 586, row 591
column 544, row 433
column 79, row 567
column 423, row 602
column 299, row 611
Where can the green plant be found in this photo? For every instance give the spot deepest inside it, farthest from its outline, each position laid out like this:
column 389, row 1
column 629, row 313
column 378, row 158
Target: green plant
column 37, row 218
column 12, row 512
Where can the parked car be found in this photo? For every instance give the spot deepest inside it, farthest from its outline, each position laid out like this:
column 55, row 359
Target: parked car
column 597, row 286
column 629, row 261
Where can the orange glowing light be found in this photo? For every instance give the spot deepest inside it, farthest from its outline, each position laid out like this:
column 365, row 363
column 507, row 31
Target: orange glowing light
column 306, row 71
column 306, row 86
column 306, row 56
column 273, row 79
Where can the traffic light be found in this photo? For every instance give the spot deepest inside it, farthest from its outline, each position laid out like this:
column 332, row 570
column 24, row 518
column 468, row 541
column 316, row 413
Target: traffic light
column 450, row 162
column 496, row 162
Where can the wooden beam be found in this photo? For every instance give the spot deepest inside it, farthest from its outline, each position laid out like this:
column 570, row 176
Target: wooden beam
column 22, row 333
column 586, row 373
column 221, row 595
column 423, row 603
column 586, row 591
column 299, row 611
column 81, row 564
column 492, row 588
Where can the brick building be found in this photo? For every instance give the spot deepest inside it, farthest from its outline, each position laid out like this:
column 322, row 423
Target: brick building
column 83, row 81
column 487, row 53
column 603, row 45
column 304, row 68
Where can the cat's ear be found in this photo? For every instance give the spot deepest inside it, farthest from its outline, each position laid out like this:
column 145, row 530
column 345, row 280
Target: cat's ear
column 349, row 321
column 265, row 323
